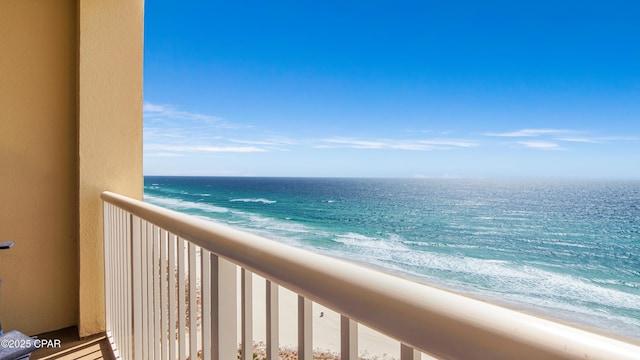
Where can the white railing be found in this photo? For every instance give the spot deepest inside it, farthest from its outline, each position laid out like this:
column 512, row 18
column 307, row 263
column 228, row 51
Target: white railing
column 151, row 253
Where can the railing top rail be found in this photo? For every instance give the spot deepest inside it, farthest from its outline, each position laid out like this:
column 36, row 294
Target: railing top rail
column 432, row 320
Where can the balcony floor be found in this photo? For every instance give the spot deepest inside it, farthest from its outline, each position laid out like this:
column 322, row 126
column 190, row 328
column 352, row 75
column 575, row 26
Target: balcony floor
column 73, row 348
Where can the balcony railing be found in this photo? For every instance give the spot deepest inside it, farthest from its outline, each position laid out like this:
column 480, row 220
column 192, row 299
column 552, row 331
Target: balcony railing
column 171, row 292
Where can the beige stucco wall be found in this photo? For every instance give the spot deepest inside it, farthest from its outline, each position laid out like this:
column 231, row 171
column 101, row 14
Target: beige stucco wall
column 38, row 186
column 70, row 127
column 110, row 132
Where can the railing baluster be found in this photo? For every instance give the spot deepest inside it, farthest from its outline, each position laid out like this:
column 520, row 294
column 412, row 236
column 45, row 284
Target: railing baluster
column 128, row 283
column 272, row 320
column 119, row 280
column 124, row 287
column 146, row 277
column 305, row 329
column 247, row 314
column 164, row 304
column 122, row 267
column 127, row 273
column 408, row 353
column 193, row 303
column 150, row 310
column 348, row 339
column 136, row 286
column 182, row 311
column 215, row 308
column 205, row 258
column 224, row 308
column 156, row 336
column 172, row 296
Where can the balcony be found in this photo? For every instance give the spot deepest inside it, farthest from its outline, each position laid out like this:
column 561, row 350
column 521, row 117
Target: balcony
column 174, row 284
column 71, row 99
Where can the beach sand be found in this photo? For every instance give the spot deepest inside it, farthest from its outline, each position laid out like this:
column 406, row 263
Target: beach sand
column 326, row 328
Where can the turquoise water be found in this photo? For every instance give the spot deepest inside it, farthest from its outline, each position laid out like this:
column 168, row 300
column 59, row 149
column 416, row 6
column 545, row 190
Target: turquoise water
column 567, row 249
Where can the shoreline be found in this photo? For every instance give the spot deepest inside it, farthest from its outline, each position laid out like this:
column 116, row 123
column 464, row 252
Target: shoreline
column 511, row 305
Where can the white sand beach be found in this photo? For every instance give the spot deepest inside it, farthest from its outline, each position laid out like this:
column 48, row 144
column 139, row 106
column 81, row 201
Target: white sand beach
column 326, row 328
column 326, row 324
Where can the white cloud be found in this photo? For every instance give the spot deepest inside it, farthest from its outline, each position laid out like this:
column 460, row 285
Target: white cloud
column 202, row 148
column 621, row 138
column 266, row 142
column 354, row 143
column 163, row 154
column 172, row 132
column 167, row 111
column 528, row 133
column 399, row 144
column 580, row 140
column 456, row 143
column 542, row 145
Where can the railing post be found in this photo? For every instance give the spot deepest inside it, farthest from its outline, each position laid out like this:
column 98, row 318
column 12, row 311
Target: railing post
column 110, row 272
column 106, row 239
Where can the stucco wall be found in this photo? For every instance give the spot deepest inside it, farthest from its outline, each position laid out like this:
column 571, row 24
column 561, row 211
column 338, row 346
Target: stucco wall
column 38, row 176
column 110, row 132
column 70, row 128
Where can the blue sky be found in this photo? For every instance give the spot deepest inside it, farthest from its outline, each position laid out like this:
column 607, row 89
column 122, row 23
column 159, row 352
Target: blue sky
column 447, row 89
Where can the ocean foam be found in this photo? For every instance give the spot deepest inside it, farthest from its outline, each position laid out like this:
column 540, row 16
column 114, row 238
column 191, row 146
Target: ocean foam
column 178, row 204
column 363, row 241
column 264, row 201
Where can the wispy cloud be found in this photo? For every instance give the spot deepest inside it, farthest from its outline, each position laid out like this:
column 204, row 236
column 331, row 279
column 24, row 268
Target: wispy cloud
column 200, row 148
column 269, row 141
column 528, row 133
column 396, row 144
column 552, row 139
column 541, row 145
column 163, row 154
column 454, row 143
column 621, row 138
column 169, row 131
column 579, row 140
column 151, row 110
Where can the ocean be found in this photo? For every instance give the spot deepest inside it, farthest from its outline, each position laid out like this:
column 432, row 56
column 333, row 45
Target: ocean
column 565, row 249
